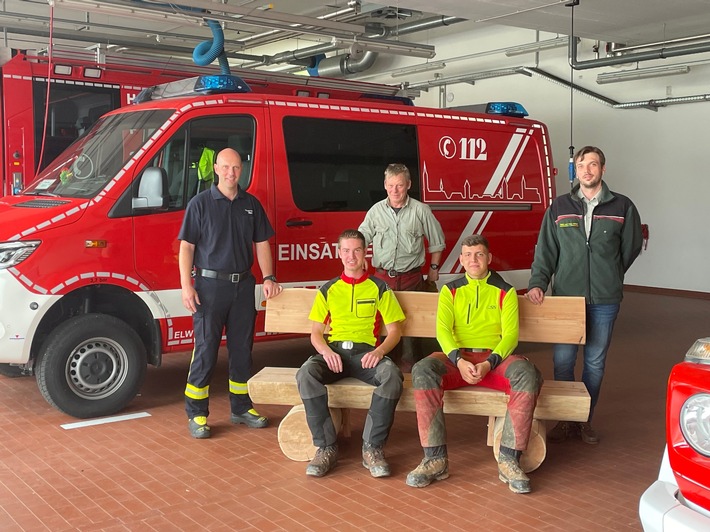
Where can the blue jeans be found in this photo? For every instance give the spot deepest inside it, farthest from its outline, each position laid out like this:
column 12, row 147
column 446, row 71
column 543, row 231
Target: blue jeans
column 600, row 325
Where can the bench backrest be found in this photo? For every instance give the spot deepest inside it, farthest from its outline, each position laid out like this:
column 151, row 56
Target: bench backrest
column 559, row 319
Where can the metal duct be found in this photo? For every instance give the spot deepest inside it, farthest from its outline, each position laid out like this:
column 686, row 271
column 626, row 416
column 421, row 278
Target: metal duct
column 343, row 65
column 663, row 53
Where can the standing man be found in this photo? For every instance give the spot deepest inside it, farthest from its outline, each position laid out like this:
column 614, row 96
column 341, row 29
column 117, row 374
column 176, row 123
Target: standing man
column 222, row 226
column 477, row 327
column 355, row 305
column 588, row 240
column 397, row 227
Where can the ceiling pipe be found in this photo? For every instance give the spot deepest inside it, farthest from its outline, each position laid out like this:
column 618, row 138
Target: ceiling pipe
column 621, row 49
column 339, row 66
column 267, row 37
column 664, row 102
column 535, row 71
column 663, row 53
column 342, row 65
column 651, row 105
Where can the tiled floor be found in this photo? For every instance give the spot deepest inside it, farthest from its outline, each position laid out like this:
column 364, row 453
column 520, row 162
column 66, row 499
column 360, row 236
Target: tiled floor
column 148, row 474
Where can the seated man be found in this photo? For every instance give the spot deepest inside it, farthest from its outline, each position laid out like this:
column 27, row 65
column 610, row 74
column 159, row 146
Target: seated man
column 355, row 305
column 477, row 327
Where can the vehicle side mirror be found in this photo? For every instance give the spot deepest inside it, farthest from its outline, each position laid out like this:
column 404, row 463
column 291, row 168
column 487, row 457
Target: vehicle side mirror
column 152, row 189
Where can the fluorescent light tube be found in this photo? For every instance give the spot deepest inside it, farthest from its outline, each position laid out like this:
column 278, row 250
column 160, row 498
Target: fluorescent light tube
column 641, row 73
column 416, row 69
column 537, row 46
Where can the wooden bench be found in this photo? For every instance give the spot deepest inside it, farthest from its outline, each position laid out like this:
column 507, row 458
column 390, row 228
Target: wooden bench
column 558, row 320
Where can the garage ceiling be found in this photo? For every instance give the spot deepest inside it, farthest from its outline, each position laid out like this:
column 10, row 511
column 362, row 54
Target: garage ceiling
column 256, row 30
column 629, row 22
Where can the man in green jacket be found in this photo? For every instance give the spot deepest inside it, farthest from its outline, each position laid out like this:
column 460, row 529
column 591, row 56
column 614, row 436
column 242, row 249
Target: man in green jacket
column 588, row 240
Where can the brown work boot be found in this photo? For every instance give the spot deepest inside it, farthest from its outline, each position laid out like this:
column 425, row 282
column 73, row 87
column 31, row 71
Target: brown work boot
column 373, row 458
column 428, row 470
column 324, row 460
column 509, row 472
column 587, row 433
column 562, row 431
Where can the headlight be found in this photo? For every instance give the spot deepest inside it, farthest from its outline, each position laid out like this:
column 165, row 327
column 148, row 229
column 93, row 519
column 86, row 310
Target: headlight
column 699, row 352
column 13, row 253
column 695, row 422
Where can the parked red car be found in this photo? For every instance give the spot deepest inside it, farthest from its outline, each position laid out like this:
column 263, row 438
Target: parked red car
column 680, row 498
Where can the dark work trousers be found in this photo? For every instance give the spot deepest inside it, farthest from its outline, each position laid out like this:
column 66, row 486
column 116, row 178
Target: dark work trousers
column 314, row 374
column 515, row 375
column 224, row 306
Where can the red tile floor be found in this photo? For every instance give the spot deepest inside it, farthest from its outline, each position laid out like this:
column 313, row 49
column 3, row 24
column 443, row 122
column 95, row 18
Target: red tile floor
column 148, row 474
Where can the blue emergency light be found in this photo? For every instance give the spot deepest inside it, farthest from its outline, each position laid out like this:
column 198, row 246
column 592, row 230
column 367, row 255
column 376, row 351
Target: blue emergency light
column 507, row 109
column 197, row 86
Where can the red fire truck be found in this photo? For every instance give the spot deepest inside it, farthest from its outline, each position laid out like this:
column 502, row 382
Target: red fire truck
column 680, row 498
column 89, row 283
column 80, row 91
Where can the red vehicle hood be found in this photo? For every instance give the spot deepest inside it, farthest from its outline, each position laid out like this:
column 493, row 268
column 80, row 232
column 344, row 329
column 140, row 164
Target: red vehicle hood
column 28, row 215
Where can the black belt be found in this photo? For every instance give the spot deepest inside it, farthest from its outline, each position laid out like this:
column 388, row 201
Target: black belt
column 231, row 277
column 394, row 273
column 350, row 346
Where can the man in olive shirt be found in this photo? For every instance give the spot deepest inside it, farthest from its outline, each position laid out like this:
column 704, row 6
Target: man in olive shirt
column 397, row 228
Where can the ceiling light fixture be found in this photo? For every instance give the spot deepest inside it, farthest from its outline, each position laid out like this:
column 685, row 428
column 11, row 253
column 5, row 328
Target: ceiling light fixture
column 416, row 69
column 388, row 47
column 641, row 73
column 537, row 46
column 468, row 78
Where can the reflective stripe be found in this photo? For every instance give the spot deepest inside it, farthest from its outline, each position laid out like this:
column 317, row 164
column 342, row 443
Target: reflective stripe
column 193, row 392
column 238, row 388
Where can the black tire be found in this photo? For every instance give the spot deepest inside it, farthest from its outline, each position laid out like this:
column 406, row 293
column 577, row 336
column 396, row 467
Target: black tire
column 91, row 365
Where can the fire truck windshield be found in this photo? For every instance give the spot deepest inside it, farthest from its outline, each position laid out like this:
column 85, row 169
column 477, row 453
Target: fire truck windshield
column 94, row 159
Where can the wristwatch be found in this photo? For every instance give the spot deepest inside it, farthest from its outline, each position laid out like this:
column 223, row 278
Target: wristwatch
column 434, row 266
column 270, row 278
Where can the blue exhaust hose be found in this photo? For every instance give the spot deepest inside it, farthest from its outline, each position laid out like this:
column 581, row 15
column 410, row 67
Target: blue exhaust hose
column 207, row 51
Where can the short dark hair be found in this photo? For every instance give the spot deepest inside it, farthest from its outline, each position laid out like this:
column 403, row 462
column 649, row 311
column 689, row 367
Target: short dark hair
column 475, row 240
column 590, row 149
column 397, row 169
column 352, row 233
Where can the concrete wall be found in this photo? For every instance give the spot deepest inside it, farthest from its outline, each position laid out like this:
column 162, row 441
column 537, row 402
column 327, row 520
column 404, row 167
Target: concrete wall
column 659, row 159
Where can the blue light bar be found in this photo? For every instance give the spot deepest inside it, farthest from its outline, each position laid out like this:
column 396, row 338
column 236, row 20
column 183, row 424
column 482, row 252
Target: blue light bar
column 506, row 109
column 197, row 86
column 220, row 83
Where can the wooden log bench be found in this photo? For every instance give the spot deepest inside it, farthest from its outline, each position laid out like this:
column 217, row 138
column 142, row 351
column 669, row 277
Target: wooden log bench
column 557, row 320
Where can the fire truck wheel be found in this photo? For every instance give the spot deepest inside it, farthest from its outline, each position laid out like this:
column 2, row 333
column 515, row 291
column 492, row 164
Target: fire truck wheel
column 91, row 365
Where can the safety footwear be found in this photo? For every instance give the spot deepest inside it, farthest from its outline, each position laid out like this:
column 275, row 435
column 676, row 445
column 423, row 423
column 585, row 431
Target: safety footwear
column 198, row 427
column 324, row 460
column 509, row 472
column 428, row 470
column 562, row 431
column 373, row 458
column 587, row 433
column 250, row 418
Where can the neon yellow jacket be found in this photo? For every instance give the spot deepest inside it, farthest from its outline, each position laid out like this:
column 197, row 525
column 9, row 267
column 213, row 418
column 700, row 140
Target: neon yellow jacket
column 356, row 308
column 478, row 314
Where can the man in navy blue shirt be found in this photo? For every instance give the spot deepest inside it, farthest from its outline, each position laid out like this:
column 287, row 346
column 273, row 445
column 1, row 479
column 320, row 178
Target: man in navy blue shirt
column 221, row 229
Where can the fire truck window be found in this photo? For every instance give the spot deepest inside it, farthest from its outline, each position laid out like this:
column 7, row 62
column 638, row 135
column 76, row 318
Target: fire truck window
column 72, row 109
column 172, row 159
column 338, row 165
column 189, row 156
column 207, row 137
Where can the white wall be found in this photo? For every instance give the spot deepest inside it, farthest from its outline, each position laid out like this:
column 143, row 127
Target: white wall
column 658, row 159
